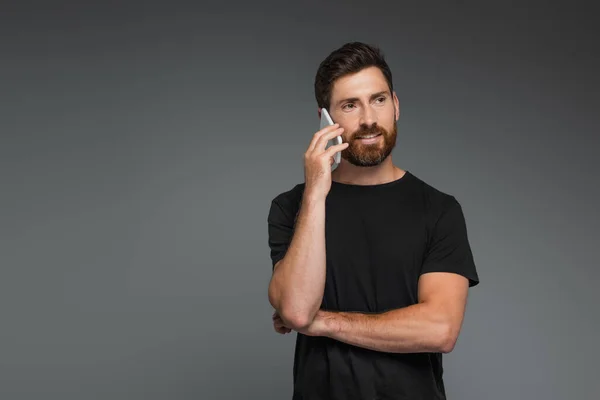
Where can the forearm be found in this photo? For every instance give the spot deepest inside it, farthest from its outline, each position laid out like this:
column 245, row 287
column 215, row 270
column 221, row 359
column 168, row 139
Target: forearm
column 414, row 329
column 297, row 285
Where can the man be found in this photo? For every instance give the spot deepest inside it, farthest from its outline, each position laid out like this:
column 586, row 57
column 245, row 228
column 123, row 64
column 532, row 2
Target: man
column 371, row 265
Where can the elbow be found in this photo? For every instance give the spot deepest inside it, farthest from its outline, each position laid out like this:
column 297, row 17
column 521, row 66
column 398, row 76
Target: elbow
column 447, row 339
column 447, row 346
column 296, row 320
column 294, row 315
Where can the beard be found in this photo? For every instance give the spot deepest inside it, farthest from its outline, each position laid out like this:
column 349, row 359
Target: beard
column 372, row 154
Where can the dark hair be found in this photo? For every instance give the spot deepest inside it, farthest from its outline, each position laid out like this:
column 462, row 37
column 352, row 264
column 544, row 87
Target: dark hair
column 350, row 58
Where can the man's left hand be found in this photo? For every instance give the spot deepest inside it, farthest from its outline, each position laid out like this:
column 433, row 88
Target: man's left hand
column 317, row 327
column 279, row 325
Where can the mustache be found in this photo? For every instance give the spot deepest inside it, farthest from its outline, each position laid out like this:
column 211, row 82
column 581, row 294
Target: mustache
column 370, row 130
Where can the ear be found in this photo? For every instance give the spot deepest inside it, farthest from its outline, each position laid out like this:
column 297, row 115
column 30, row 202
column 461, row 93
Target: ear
column 396, row 106
column 319, row 112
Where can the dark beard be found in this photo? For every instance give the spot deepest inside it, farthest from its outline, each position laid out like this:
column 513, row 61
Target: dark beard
column 370, row 155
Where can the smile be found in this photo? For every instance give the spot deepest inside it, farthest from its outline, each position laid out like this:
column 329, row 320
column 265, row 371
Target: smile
column 370, row 138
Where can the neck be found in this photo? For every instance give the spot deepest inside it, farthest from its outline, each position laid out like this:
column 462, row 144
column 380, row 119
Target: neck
column 354, row 175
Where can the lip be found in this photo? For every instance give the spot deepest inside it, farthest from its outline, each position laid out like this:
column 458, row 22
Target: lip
column 370, row 140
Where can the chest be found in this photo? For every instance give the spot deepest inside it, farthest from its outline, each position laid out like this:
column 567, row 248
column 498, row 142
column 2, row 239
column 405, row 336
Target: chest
column 374, row 255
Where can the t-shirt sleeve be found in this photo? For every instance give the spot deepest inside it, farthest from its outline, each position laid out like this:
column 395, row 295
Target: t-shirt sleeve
column 448, row 249
column 281, row 222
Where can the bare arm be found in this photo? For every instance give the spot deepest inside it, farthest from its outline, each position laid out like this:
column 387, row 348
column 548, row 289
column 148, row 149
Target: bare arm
column 298, row 281
column 432, row 325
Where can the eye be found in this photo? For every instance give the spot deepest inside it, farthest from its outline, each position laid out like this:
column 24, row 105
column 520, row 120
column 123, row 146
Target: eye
column 345, row 106
column 381, row 99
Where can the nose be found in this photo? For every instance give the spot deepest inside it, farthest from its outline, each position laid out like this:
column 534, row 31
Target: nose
column 368, row 116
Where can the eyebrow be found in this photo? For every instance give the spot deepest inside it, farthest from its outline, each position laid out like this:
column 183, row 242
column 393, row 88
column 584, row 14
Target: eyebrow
column 353, row 99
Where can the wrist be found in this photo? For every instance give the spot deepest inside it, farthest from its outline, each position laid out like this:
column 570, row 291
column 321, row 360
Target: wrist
column 331, row 323
column 313, row 198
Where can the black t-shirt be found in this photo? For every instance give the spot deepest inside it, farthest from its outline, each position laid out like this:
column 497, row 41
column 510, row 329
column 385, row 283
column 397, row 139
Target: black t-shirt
column 379, row 240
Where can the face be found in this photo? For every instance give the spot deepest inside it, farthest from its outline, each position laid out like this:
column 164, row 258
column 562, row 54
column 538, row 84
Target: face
column 363, row 105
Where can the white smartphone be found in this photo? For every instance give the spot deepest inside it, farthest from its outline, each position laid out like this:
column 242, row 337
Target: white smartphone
column 325, row 121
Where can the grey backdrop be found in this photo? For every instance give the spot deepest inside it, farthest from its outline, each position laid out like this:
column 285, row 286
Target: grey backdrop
column 142, row 144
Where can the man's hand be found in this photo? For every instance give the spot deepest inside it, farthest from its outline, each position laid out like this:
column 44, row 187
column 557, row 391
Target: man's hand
column 318, row 327
column 279, row 325
column 318, row 161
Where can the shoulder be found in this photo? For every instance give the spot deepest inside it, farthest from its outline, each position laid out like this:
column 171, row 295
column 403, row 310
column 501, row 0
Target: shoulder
column 289, row 196
column 435, row 201
column 288, row 201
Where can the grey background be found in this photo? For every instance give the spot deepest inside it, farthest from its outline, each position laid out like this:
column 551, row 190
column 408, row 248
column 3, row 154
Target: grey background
column 141, row 146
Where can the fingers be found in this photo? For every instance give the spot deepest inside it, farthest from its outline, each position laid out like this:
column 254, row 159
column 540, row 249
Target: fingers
column 323, row 139
column 283, row 331
column 318, row 134
column 281, row 328
column 330, row 152
column 331, row 129
column 335, row 148
column 279, row 325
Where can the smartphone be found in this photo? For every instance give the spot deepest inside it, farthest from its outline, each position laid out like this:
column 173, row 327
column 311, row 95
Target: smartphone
column 325, row 121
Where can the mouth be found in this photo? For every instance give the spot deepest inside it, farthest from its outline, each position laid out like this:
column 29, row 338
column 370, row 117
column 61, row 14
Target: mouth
column 369, row 138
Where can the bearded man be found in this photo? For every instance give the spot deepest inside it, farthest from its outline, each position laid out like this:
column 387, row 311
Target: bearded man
column 371, row 265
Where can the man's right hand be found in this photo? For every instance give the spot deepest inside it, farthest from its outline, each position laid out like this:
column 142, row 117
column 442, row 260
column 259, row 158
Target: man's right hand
column 318, row 161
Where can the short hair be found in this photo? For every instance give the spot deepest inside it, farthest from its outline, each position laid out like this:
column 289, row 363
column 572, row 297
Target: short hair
column 350, row 58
